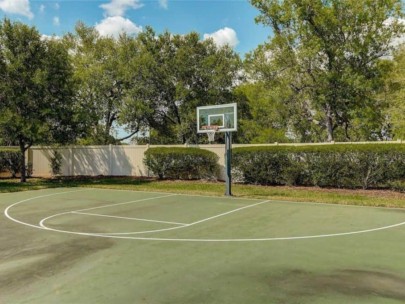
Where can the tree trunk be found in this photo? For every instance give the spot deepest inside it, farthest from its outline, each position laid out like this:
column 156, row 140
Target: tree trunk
column 329, row 123
column 23, row 177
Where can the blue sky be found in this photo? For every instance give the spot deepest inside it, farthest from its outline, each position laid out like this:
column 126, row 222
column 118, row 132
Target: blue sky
column 226, row 21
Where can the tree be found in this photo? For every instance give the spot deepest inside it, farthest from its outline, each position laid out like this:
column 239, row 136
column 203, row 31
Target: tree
column 266, row 117
column 395, row 91
column 326, row 53
column 98, row 73
column 171, row 75
column 36, row 104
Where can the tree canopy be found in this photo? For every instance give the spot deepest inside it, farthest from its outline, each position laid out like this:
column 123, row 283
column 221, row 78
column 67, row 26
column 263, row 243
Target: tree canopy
column 99, row 79
column 326, row 54
column 395, row 90
column 330, row 71
column 36, row 96
column 171, row 75
column 151, row 82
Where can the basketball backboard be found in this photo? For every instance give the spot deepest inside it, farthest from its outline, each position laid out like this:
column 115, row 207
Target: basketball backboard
column 223, row 118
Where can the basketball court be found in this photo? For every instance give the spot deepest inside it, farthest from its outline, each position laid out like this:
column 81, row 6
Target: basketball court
column 81, row 245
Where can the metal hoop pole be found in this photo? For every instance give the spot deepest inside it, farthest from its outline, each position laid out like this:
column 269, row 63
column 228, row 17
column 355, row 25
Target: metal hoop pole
column 228, row 159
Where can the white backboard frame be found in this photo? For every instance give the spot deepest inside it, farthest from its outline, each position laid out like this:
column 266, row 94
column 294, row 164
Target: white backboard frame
column 214, row 107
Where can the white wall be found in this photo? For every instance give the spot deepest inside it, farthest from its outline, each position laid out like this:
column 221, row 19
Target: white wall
column 101, row 160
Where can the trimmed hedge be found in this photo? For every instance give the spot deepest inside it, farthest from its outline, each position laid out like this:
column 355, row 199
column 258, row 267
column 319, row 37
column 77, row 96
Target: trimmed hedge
column 338, row 165
column 10, row 161
column 182, row 163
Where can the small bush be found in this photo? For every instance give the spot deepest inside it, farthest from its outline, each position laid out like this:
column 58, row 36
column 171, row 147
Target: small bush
column 56, row 163
column 10, row 161
column 182, row 163
column 348, row 166
column 259, row 166
column 398, row 185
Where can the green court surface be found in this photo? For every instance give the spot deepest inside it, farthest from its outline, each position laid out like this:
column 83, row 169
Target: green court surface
column 82, row 245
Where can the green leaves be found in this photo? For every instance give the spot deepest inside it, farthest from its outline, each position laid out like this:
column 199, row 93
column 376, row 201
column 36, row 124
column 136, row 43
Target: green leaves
column 37, row 105
column 326, row 54
column 348, row 166
column 173, row 74
column 395, row 92
column 10, row 160
column 182, row 163
column 149, row 82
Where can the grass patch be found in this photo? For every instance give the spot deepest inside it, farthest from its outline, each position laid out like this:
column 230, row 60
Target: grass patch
column 380, row 198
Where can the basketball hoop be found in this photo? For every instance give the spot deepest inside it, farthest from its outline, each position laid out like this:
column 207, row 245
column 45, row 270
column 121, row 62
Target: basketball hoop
column 220, row 118
column 211, row 130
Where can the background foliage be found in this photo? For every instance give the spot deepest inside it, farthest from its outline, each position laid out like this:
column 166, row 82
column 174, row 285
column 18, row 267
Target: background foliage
column 326, row 57
column 10, row 161
column 332, row 70
column 349, row 166
column 182, row 163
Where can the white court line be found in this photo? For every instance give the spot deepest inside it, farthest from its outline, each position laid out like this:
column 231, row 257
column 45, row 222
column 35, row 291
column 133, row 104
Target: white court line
column 130, row 218
column 304, row 237
column 30, row 199
column 42, row 226
column 41, row 223
column 226, row 213
column 191, row 224
column 124, row 203
column 6, row 213
column 182, row 194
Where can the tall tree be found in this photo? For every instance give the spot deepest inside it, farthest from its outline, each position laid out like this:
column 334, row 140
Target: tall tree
column 265, row 119
column 172, row 75
column 326, row 53
column 100, row 84
column 395, row 92
column 36, row 104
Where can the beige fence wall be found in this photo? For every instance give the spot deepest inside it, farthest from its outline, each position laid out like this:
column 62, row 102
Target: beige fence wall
column 102, row 160
column 91, row 160
column 114, row 160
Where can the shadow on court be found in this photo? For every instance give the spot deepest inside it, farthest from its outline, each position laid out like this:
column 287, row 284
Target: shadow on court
column 298, row 284
column 38, row 261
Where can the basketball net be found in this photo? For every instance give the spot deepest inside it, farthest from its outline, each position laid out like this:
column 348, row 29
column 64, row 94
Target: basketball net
column 211, row 130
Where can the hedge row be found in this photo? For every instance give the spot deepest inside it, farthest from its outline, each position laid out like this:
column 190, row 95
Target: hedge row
column 182, row 163
column 348, row 166
column 10, row 161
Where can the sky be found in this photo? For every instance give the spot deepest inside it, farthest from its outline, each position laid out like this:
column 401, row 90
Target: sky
column 226, row 21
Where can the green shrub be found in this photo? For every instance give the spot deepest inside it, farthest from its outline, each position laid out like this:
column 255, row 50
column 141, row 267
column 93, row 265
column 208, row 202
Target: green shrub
column 259, row 166
column 295, row 172
column 340, row 165
column 10, row 161
column 398, row 185
column 182, row 163
column 56, row 163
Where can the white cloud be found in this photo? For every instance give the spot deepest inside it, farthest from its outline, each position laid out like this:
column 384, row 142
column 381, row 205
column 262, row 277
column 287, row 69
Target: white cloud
column 114, row 26
column 118, row 7
column 47, row 37
column 163, row 3
column 56, row 6
column 19, row 7
column 399, row 40
column 56, row 21
column 223, row 37
column 42, row 8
